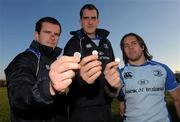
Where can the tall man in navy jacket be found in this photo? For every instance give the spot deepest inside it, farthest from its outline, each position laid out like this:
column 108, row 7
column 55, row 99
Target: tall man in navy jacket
column 91, row 91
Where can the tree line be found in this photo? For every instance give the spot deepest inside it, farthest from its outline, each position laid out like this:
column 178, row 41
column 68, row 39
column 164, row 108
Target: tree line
column 3, row 83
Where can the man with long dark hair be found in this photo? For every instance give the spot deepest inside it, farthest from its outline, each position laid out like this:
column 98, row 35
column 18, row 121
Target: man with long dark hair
column 145, row 82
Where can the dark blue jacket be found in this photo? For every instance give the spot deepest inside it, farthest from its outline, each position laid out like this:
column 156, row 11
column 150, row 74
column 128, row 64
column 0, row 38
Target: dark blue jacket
column 80, row 93
column 28, row 86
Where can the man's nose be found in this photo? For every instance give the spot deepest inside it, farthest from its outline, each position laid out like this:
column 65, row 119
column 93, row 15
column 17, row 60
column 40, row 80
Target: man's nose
column 90, row 20
column 52, row 36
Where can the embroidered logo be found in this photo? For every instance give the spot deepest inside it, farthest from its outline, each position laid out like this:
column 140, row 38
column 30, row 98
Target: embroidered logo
column 106, row 46
column 157, row 73
column 101, row 53
column 88, row 46
column 143, row 82
column 128, row 75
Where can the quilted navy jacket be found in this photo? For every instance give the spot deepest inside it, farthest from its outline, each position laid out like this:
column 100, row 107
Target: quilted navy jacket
column 28, row 86
column 80, row 93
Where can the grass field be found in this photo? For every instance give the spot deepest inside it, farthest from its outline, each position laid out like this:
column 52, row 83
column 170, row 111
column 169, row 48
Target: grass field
column 4, row 108
column 4, row 105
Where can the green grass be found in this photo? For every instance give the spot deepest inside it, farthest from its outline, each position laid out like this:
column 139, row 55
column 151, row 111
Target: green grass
column 4, row 108
column 171, row 109
column 4, row 105
column 115, row 111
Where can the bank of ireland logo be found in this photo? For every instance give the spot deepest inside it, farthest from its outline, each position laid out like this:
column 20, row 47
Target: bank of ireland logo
column 143, row 82
column 157, row 73
column 128, row 75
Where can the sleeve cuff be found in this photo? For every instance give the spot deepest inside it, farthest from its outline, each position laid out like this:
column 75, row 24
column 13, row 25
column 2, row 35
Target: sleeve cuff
column 44, row 90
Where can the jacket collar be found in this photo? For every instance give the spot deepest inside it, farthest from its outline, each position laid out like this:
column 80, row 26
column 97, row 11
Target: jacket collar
column 101, row 33
column 45, row 50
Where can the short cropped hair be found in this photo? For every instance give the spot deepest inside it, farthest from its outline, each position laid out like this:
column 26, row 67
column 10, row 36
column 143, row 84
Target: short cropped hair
column 90, row 7
column 46, row 19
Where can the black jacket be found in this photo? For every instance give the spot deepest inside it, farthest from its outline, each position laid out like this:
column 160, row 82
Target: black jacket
column 28, row 86
column 80, row 93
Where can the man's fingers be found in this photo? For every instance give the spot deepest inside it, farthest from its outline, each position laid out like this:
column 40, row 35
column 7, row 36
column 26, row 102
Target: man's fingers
column 93, row 77
column 61, row 86
column 68, row 66
column 94, row 70
column 116, row 82
column 67, row 82
column 90, row 68
column 112, row 75
column 112, row 64
column 110, row 67
column 65, row 63
column 73, row 59
column 92, row 65
column 60, row 68
column 88, row 59
column 66, row 75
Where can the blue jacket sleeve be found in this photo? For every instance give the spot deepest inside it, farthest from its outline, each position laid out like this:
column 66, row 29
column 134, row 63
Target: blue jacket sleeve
column 25, row 90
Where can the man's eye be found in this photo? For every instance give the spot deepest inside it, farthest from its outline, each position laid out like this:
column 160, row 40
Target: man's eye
column 86, row 17
column 93, row 17
column 57, row 34
column 47, row 32
column 90, row 18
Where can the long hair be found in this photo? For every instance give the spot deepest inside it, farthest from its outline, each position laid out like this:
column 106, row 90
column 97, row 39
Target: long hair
column 141, row 42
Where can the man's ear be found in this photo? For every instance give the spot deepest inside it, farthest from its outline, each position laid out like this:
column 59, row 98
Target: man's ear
column 80, row 22
column 143, row 47
column 98, row 21
column 36, row 36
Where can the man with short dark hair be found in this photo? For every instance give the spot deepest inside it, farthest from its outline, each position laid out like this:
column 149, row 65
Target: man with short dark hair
column 37, row 80
column 90, row 94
